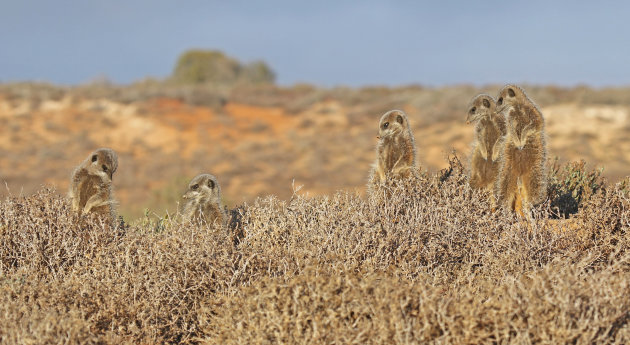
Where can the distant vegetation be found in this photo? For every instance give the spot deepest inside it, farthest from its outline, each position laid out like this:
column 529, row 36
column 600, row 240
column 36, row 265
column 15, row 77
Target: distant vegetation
column 211, row 66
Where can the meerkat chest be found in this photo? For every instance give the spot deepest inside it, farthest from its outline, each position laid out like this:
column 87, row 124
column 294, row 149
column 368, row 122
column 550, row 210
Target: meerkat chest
column 91, row 185
column 523, row 159
column 487, row 165
column 393, row 146
column 390, row 152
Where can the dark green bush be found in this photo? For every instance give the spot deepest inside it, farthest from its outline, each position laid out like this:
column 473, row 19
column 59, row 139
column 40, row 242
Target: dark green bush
column 571, row 185
column 211, row 66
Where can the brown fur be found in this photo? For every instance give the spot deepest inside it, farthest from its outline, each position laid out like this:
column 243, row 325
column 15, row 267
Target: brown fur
column 204, row 200
column 91, row 184
column 396, row 149
column 522, row 161
column 489, row 130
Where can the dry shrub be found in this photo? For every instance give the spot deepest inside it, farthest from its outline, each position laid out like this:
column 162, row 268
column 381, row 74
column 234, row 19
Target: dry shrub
column 41, row 234
column 555, row 304
column 102, row 284
column 421, row 260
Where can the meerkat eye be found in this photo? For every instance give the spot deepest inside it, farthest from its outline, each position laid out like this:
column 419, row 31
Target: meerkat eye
column 94, row 158
column 511, row 93
column 473, row 109
column 104, row 168
column 194, row 187
column 386, row 124
column 500, row 101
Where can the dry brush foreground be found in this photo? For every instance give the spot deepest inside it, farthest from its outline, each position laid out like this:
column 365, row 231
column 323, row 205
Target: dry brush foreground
column 424, row 261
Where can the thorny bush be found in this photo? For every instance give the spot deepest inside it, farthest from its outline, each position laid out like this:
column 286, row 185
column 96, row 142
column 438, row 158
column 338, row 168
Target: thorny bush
column 420, row 260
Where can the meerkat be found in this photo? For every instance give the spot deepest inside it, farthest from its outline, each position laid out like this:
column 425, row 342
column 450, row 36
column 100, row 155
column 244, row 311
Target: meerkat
column 522, row 160
column 91, row 184
column 489, row 131
column 396, row 148
column 204, row 200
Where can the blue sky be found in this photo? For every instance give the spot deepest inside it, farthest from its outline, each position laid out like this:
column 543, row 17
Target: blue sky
column 322, row 42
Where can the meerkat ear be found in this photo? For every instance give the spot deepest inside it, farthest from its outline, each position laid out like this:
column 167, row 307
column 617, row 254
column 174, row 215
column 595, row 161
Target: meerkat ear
column 511, row 93
column 400, row 119
column 94, row 158
column 211, row 184
column 486, row 103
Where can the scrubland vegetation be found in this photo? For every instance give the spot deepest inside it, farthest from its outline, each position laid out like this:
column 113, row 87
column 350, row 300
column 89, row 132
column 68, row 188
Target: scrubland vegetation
column 424, row 261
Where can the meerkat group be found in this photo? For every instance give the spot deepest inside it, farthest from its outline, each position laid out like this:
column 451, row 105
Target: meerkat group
column 509, row 150
column 508, row 153
column 508, row 159
column 91, row 191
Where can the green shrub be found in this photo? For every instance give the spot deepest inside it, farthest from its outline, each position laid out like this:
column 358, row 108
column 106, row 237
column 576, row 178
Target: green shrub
column 211, row 66
column 571, row 185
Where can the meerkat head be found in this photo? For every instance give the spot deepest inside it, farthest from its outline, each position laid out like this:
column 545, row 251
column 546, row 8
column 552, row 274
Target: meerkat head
column 392, row 122
column 482, row 106
column 519, row 124
column 103, row 162
column 203, row 187
column 509, row 96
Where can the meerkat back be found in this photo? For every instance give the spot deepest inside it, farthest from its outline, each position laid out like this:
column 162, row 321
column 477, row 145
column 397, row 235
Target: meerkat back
column 91, row 184
column 522, row 177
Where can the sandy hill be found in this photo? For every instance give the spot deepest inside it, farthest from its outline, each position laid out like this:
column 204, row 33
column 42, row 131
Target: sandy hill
column 262, row 141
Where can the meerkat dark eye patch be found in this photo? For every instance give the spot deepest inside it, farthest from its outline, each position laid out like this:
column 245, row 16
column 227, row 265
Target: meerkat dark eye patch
column 211, row 184
column 94, row 158
column 511, row 93
column 400, row 119
column 385, row 125
column 194, row 187
column 486, row 103
column 472, row 110
column 104, row 167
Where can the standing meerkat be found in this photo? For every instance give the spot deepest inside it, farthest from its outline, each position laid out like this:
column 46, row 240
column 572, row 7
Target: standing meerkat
column 489, row 131
column 396, row 148
column 204, row 200
column 522, row 161
column 91, row 184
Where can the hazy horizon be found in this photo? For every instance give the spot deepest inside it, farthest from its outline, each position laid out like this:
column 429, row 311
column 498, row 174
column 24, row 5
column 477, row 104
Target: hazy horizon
column 326, row 43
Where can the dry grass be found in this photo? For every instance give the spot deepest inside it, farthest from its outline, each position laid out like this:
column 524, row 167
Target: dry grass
column 421, row 261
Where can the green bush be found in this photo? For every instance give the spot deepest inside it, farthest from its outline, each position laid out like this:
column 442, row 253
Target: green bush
column 571, row 185
column 211, row 66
